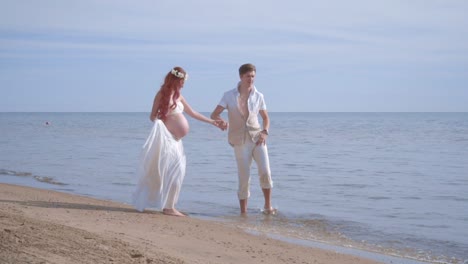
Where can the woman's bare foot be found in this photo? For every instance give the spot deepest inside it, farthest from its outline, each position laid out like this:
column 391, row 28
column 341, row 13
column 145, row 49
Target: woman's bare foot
column 172, row 212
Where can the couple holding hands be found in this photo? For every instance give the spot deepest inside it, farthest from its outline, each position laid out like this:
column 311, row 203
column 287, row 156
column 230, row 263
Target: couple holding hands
column 163, row 162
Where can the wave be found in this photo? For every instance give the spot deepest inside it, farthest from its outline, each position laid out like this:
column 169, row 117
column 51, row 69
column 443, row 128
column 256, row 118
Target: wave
column 44, row 179
column 351, row 236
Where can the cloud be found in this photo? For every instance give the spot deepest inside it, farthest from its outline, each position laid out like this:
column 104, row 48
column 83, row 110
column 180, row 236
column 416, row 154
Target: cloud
column 364, row 37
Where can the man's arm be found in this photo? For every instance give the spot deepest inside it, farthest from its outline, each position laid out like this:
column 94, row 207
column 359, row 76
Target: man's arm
column 216, row 115
column 266, row 120
column 266, row 125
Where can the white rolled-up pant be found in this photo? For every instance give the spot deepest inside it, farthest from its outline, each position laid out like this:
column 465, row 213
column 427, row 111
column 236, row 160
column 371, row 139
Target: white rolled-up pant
column 245, row 153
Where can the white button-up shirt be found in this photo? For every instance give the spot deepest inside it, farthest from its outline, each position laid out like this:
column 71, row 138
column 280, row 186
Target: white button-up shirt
column 238, row 126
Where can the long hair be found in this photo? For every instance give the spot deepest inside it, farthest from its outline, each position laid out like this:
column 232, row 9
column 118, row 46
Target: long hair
column 171, row 86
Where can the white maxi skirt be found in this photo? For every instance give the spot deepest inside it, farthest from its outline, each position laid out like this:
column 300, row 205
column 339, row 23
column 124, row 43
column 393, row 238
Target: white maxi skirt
column 161, row 170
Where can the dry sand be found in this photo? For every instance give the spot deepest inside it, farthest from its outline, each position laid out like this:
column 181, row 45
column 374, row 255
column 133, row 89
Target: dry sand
column 41, row 226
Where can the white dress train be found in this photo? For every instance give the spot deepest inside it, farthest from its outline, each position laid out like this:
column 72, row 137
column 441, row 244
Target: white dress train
column 161, row 170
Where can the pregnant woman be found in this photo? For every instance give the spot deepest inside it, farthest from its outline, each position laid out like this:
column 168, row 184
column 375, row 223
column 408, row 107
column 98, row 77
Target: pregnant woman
column 162, row 164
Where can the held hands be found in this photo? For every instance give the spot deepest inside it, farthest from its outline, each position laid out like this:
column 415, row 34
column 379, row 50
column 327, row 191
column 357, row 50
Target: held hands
column 221, row 124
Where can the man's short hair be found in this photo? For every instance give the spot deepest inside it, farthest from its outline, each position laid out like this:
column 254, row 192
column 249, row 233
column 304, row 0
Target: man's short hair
column 248, row 67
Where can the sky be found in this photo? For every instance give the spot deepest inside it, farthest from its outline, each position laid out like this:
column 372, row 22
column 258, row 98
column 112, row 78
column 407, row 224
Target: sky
column 311, row 56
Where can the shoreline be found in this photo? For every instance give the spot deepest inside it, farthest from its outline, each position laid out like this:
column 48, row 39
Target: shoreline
column 55, row 227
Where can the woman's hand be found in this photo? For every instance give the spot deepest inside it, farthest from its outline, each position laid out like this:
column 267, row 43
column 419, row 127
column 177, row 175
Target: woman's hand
column 221, row 124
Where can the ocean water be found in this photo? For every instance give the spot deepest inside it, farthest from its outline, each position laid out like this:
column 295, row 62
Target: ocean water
column 389, row 183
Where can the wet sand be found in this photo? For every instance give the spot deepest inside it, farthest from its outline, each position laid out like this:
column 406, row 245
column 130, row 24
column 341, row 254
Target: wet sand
column 42, row 226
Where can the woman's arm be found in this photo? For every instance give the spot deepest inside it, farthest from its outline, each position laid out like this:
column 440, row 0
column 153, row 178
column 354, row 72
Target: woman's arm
column 155, row 109
column 194, row 114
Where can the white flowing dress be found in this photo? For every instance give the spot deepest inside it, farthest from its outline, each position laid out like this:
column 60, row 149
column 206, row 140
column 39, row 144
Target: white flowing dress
column 161, row 170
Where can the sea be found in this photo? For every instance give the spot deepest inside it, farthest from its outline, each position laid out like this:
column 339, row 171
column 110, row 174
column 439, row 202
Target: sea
column 389, row 186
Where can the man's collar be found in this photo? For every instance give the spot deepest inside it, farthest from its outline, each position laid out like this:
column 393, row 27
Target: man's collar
column 251, row 91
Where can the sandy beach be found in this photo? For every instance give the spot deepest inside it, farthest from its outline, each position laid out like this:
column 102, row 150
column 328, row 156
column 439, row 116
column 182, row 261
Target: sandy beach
column 42, row 226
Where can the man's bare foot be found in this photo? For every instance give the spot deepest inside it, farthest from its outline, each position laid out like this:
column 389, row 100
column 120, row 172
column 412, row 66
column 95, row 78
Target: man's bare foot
column 172, row 212
column 271, row 211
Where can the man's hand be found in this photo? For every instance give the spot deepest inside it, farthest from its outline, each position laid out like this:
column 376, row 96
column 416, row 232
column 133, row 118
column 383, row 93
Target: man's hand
column 223, row 125
column 262, row 138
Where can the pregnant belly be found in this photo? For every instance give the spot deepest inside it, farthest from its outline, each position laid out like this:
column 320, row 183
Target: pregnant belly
column 177, row 124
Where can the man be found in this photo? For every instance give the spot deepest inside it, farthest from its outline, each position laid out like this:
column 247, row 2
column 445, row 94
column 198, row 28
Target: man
column 244, row 103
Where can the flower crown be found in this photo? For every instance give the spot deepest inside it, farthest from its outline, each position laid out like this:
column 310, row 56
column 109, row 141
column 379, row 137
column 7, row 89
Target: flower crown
column 179, row 74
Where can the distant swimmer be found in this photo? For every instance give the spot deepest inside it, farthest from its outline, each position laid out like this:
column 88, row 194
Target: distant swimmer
column 47, row 123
